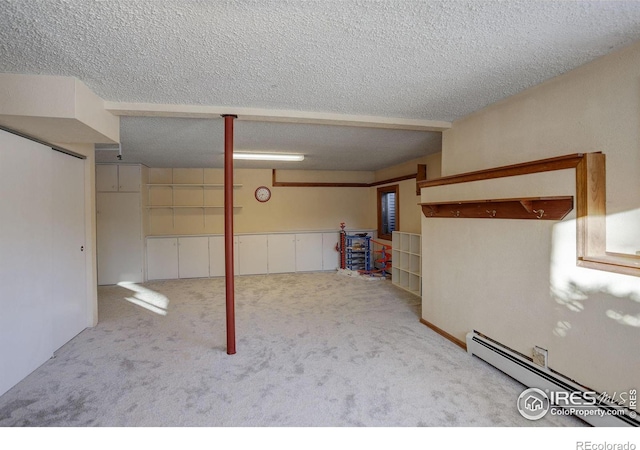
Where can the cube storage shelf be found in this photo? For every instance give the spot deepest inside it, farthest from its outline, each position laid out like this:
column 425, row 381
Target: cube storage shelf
column 406, row 271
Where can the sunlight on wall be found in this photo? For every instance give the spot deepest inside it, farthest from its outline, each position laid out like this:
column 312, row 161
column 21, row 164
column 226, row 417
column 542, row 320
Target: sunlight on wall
column 146, row 298
column 562, row 328
column 571, row 285
column 623, row 232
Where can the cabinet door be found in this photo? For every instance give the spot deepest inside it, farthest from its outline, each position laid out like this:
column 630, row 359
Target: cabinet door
column 282, row 253
column 119, row 237
column 106, row 177
column 252, row 254
column 330, row 256
column 162, row 258
column 309, row 252
column 217, row 256
column 193, row 257
column 129, row 178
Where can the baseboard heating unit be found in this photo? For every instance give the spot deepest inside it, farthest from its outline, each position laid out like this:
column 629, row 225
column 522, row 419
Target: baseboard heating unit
column 602, row 411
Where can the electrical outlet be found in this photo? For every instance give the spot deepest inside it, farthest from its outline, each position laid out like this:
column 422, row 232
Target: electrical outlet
column 540, row 356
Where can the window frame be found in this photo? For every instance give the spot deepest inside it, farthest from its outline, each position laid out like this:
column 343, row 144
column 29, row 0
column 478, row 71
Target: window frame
column 395, row 188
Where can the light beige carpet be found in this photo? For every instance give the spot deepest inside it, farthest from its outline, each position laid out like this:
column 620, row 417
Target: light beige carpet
column 316, row 349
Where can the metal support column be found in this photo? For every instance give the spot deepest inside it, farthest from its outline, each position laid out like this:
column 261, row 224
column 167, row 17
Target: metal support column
column 228, row 233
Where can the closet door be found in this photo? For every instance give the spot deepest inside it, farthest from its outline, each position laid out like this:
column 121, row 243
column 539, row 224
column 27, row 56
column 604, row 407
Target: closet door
column 25, row 257
column 119, row 237
column 69, row 305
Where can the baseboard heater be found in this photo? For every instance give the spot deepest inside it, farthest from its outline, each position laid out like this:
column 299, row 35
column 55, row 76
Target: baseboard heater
column 531, row 375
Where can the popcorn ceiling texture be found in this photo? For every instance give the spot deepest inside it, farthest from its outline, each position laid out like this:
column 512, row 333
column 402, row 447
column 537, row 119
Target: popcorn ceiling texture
column 438, row 60
column 421, row 59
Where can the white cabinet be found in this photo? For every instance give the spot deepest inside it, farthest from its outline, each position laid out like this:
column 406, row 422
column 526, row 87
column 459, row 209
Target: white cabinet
column 406, row 262
column 119, row 237
column 106, row 177
column 330, row 256
column 217, row 256
column 281, row 253
column 193, row 257
column 129, row 178
column 252, row 254
column 117, row 178
column 309, row 252
column 162, row 258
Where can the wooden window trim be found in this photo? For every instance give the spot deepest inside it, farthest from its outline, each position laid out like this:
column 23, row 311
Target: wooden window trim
column 395, row 188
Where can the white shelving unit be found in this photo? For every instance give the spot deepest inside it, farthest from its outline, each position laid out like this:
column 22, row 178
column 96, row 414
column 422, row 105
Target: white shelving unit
column 197, row 201
column 406, row 264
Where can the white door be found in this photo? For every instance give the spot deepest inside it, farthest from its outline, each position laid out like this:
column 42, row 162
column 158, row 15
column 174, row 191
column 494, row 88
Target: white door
column 69, row 294
column 106, row 177
column 282, row 253
column 252, row 254
column 330, row 256
column 25, row 257
column 217, row 256
column 119, row 237
column 162, row 258
column 309, row 252
column 193, row 257
column 129, row 178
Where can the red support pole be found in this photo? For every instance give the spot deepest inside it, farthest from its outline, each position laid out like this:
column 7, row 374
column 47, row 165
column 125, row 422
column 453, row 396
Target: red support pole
column 228, row 233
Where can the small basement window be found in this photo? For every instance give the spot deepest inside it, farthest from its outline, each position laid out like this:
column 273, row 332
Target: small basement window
column 388, row 197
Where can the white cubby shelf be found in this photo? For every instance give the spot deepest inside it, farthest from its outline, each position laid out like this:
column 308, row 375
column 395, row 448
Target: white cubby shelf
column 406, row 262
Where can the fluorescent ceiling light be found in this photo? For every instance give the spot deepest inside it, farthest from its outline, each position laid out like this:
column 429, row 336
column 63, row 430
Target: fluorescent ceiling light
column 268, row 156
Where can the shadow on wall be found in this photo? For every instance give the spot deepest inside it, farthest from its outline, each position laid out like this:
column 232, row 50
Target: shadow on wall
column 616, row 297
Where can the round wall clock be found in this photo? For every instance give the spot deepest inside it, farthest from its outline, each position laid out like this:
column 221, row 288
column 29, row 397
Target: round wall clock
column 263, row 194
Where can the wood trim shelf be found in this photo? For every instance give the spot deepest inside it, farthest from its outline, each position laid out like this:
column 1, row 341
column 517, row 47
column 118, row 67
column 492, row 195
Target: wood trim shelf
column 191, row 185
column 590, row 173
column 542, row 165
column 541, row 208
column 185, row 206
column 276, row 183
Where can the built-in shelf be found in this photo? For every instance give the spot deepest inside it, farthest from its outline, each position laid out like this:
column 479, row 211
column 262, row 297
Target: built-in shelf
column 540, row 208
column 406, row 263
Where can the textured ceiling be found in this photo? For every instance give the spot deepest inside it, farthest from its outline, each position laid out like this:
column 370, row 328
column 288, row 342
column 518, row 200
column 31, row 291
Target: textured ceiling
column 436, row 60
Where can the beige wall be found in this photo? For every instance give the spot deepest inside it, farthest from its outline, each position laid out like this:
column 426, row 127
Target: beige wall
column 409, row 211
column 517, row 280
column 290, row 208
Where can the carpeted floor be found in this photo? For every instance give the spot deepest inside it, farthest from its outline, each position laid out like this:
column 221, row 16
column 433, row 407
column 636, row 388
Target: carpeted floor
column 315, row 349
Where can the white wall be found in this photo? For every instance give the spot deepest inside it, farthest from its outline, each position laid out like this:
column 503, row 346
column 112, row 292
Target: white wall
column 516, row 280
